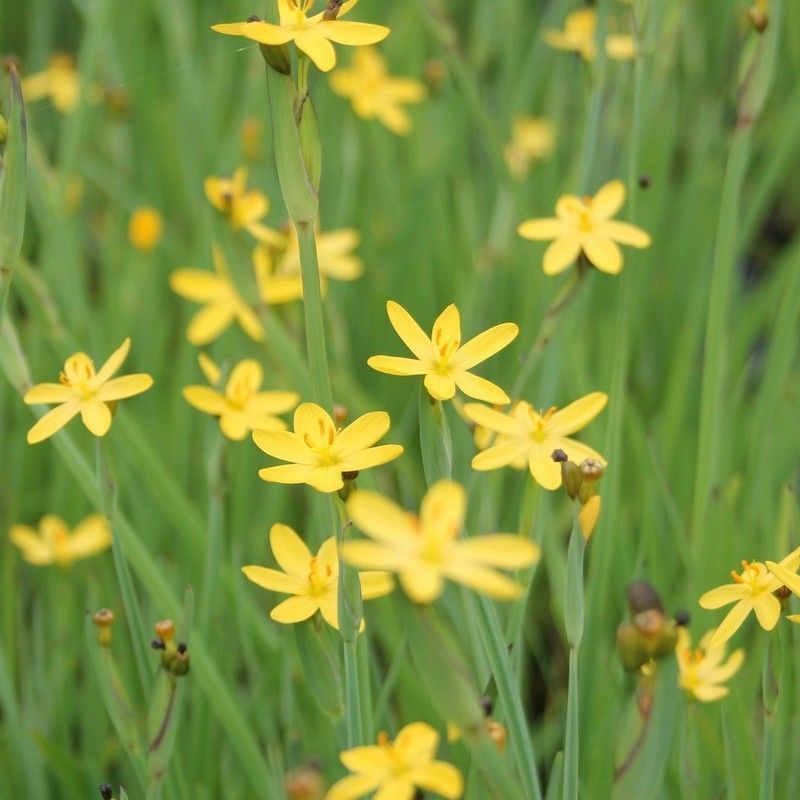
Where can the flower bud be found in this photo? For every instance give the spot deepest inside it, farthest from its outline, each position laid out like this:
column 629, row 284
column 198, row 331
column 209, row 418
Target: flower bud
column 643, row 597
column 103, row 619
column 276, row 57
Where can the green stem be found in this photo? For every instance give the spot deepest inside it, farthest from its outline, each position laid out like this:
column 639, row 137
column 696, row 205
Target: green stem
column 215, row 530
column 770, row 689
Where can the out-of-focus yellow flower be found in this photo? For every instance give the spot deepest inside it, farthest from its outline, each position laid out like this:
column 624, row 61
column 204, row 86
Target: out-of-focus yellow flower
column 252, row 139
column 319, row 453
column 374, row 93
column 579, row 36
column 55, row 543
column 278, row 268
column 532, row 138
column 427, row 549
column 82, row 390
column 585, row 224
column 529, row 438
column 242, row 207
column 750, row 591
column 145, row 228
column 242, row 408
column 222, row 302
column 311, row 580
column 442, row 359
column 60, row 83
column 396, row 769
column 701, row 670
column 311, row 35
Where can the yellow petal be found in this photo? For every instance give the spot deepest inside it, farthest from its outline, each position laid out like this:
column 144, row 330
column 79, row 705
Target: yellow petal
column 625, row 233
column 379, row 517
column 295, row 609
column 500, row 455
column 49, row 393
column 588, row 515
column 707, row 693
column 126, row 386
column 311, row 420
column 274, row 580
column 90, row 536
column 561, row 254
column 53, row 421
column 729, row 668
column 208, row 323
column 395, row 118
column 620, row 48
column 272, row 403
column 329, row 608
column 608, row 200
column 371, row 457
column 284, row 445
column 34, row 549
column 96, row 416
column 485, row 345
column 494, row 420
column 114, row 362
column 480, row 389
column 247, row 372
column 577, row 415
column 506, row 550
column 570, row 209
column 768, row 610
column 440, row 387
column 447, row 327
column 286, row 473
column 540, row 230
column 205, row 399
column 422, row 583
column 374, row 556
column 235, row 425
column 443, row 509
column 263, row 32
column 484, row 580
column 603, row 253
column 325, row 479
column 439, row 777
column 290, row 551
column 368, row 760
column 352, row 787
column 723, row 595
column 361, row 433
column 327, row 558
column 732, row 622
column 416, row 743
column 395, row 365
column 375, row 584
column 196, row 285
column 351, row 33
column 316, row 47
column 787, row 577
column 247, row 318
column 407, row 329
column 545, row 471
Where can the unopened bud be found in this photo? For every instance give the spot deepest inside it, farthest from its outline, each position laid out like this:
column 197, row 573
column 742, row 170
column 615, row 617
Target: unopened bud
column 572, row 478
column 340, row 414
column 758, row 18
column 103, row 619
column 3, row 129
column 179, row 665
column 276, row 57
column 592, row 469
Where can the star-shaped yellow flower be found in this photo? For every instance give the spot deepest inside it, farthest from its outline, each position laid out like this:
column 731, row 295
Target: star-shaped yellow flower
column 82, row 390
column 396, row 769
column 531, row 138
column 750, row 591
column 311, row 580
column 442, row 359
column 222, row 302
column 585, row 225
column 278, row 272
column 55, row 543
column 427, row 549
column 579, row 36
column 527, row 437
column 60, row 83
column 145, row 228
column 319, row 453
column 374, row 93
column 242, row 207
column 701, row 670
column 243, row 408
column 311, row 35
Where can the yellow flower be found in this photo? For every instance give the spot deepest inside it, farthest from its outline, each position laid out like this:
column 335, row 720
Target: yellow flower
column 585, row 224
column 398, row 768
column 751, row 591
column 374, row 93
column 427, row 549
column 528, row 437
column 223, row 304
column 242, row 408
column 54, row 543
column 278, row 268
column 442, row 359
column 579, row 36
column 701, row 670
column 319, row 453
column 81, row 389
column 242, row 207
column 311, row 35
column 60, row 82
column 311, row 580
column 531, row 138
column 145, row 228
column 786, row 574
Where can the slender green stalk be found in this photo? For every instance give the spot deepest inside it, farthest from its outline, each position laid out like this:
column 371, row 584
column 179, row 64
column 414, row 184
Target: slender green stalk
column 770, row 694
column 215, row 470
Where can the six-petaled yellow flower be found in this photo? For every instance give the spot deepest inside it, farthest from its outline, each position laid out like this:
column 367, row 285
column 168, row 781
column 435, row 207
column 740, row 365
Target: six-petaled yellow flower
column 145, row 228
column 442, row 359
column 243, row 408
column 374, row 93
column 701, row 670
column 531, row 139
column 82, row 390
column 277, row 267
column 222, row 302
column 752, row 590
column 312, row 35
column 396, row 769
column 242, row 207
column 578, row 36
column 60, row 83
column 585, row 225
column 428, row 549
column 55, row 543
column 311, row 580
column 526, row 437
column 319, row 452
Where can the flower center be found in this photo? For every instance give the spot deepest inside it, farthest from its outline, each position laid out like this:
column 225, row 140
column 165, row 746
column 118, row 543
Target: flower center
column 398, row 765
column 321, row 442
column 540, row 422
column 445, row 346
column 754, row 574
column 78, row 374
column 318, row 581
column 241, row 391
column 585, row 220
